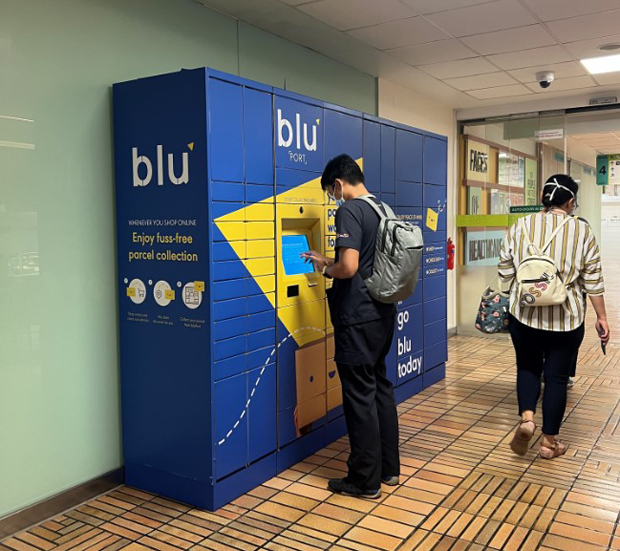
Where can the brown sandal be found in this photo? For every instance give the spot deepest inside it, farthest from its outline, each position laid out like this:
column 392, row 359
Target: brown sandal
column 522, row 437
column 548, row 452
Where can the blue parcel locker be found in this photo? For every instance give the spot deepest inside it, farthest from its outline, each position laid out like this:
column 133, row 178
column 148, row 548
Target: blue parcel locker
column 343, row 133
column 388, row 159
column 408, row 156
column 435, row 154
column 227, row 367
column 372, row 155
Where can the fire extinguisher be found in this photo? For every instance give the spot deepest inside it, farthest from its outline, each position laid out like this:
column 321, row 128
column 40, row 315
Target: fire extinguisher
column 450, row 249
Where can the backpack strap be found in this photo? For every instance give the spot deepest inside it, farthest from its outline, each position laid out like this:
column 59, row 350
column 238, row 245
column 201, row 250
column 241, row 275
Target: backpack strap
column 526, row 234
column 528, row 241
column 384, row 211
column 556, row 231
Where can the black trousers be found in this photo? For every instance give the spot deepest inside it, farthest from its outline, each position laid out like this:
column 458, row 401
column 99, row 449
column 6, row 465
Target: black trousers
column 368, row 401
column 544, row 352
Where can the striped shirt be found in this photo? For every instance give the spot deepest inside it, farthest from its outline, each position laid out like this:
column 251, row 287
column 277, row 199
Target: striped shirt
column 577, row 258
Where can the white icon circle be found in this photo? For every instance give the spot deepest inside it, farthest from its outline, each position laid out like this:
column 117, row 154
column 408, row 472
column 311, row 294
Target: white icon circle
column 159, row 292
column 139, row 294
column 150, row 282
column 179, row 284
column 126, row 281
column 191, row 298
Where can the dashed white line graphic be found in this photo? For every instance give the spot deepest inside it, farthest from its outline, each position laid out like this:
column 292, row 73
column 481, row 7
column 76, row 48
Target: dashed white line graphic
column 260, row 375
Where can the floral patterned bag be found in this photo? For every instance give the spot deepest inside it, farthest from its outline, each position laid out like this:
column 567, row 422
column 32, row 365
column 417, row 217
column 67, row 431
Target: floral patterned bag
column 493, row 312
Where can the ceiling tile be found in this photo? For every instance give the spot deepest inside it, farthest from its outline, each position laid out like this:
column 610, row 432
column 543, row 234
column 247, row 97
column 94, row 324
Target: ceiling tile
column 353, row 14
column 561, row 70
column 435, row 52
column 607, row 79
column 494, row 16
column 563, row 84
column 528, row 58
column 461, row 68
column 510, row 40
column 500, row 92
column 397, row 34
column 433, row 6
column 478, row 82
column 586, row 26
column 550, row 10
column 583, row 49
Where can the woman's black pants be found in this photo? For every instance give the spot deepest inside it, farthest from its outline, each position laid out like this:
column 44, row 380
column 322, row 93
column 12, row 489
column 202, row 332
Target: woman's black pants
column 544, row 352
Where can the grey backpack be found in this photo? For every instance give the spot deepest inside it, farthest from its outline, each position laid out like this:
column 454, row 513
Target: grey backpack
column 398, row 253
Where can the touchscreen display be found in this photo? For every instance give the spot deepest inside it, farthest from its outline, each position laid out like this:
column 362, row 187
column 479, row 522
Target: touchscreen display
column 292, row 247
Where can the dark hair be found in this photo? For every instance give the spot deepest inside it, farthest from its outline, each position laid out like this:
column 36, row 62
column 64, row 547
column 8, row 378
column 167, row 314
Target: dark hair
column 560, row 195
column 344, row 168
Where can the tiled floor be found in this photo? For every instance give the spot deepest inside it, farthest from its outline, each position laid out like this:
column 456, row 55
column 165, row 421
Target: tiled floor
column 462, row 489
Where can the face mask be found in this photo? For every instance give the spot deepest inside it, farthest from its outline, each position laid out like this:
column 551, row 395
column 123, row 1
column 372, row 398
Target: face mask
column 557, row 186
column 339, row 202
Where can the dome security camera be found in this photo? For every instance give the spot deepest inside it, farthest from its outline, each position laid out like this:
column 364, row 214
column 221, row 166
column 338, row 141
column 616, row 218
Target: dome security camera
column 545, row 78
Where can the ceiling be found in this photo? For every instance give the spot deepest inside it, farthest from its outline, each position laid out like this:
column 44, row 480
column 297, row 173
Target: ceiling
column 606, row 144
column 466, row 53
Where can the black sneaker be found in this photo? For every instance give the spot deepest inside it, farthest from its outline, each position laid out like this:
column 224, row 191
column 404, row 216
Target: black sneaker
column 391, row 480
column 341, row 486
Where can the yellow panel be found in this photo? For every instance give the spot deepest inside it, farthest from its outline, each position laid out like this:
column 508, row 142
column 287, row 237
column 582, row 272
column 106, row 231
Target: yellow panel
column 330, row 220
column 233, row 231
column 267, row 284
column 260, row 230
column 308, row 193
column 334, row 398
column 305, row 322
column 333, row 379
column 235, row 216
column 260, row 248
column 312, row 410
column 307, row 220
column 239, row 247
column 310, row 371
column 331, row 349
column 261, row 266
column 260, row 212
column 271, row 297
column 330, row 243
column 303, row 194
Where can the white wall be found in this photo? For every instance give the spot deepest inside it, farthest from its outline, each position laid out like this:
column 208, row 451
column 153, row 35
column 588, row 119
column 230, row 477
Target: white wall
column 59, row 387
column 407, row 107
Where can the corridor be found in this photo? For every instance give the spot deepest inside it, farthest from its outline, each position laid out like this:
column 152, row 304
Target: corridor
column 462, row 489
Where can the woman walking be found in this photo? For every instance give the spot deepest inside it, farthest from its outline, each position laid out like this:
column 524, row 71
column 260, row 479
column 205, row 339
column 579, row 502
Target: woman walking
column 547, row 338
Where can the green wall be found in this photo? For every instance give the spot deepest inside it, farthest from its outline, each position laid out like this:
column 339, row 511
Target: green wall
column 59, row 376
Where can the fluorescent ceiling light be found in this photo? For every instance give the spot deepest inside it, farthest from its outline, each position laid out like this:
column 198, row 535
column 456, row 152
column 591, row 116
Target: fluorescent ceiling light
column 599, row 65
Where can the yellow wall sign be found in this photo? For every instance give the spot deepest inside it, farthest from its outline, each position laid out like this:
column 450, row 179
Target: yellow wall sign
column 169, row 295
column 199, row 286
column 477, row 161
column 432, row 218
column 131, row 291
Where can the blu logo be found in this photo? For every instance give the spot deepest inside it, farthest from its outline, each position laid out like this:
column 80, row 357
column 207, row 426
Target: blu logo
column 143, row 161
column 290, row 136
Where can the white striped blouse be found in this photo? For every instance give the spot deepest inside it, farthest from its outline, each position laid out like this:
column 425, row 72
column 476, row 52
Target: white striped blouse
column 577, row 257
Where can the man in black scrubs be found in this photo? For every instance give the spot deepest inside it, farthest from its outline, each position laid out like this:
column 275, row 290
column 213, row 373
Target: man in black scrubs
column 363, row 332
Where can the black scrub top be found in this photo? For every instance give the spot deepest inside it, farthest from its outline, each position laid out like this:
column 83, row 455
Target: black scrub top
column 350, row 302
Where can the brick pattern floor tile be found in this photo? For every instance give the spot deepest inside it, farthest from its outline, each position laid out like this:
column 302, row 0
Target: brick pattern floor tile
column 461, row 487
